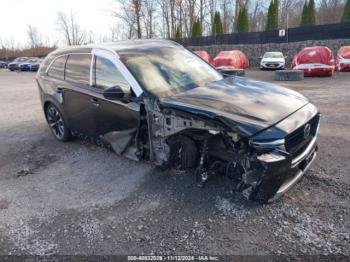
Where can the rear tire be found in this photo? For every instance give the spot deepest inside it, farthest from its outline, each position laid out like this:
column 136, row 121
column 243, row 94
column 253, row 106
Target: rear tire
column 57, row 124
column 183, row 153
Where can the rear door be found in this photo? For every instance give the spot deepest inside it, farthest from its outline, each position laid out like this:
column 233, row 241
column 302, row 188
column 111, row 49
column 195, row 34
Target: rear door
column 79, row 100
column 54, row 83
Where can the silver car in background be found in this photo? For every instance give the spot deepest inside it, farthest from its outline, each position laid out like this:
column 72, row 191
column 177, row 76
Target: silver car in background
column 273, row 60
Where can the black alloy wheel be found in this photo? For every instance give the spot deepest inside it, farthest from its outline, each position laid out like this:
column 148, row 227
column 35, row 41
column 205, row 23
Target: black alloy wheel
column 57, row 124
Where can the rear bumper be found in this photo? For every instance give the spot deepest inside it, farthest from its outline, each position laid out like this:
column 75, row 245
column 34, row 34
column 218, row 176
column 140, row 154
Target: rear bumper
column 342, row 67
column 318, row 72
column 314, row 70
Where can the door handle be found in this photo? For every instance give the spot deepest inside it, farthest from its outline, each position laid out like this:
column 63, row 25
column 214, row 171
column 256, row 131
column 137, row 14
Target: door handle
column 59, row 89
column 95, row 102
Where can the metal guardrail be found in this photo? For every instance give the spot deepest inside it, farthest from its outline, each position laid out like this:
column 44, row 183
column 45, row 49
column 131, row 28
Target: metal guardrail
column 298, row 34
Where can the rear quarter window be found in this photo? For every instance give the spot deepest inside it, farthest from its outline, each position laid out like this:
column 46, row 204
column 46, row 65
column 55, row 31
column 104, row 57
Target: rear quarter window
column 56, row 70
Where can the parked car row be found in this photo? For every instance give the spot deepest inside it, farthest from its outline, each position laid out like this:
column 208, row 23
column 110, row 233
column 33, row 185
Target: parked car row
column 25, row 64
column 313, row 61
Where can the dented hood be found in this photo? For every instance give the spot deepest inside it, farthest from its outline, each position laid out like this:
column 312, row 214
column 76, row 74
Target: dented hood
column 242, row 103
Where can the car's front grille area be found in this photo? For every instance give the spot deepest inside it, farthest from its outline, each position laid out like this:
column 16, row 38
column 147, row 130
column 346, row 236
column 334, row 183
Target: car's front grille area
column 272, row 64
column 296, row 143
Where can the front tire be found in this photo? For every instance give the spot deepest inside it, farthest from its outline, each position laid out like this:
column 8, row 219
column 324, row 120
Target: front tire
column 183, row 153
column 57, row 124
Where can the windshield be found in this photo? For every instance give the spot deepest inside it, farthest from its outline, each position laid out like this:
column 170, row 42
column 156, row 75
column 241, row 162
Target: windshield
column 273, row 55
column 32, row 60
column 167, row 71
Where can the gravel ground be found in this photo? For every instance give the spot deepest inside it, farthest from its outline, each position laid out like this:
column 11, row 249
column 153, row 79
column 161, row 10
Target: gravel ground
column 78, row 198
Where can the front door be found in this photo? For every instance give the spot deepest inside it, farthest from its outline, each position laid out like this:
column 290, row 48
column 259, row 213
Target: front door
column 117, row 121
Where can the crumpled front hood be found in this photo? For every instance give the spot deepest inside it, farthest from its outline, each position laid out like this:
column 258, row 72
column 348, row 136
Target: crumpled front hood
column 246, row 104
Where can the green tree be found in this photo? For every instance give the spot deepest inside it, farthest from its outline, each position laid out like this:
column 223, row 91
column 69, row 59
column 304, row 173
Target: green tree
column 346, row 14
column 272, row 15
column 308, row 16
column 243, row 20
column 196, row 29
column 269, row 16
column 275, row 19
column 217, row 28
column 311, row 13
column 178, row 34
column 304, row 15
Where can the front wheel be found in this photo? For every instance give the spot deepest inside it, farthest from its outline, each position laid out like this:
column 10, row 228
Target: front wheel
column 57, row 124
column 183, row 153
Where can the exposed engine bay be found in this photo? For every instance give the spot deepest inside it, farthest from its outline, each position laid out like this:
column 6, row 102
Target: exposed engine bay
column 176, row 139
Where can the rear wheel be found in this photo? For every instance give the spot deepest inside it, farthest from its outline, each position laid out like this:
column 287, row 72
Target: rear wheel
column 57, row 124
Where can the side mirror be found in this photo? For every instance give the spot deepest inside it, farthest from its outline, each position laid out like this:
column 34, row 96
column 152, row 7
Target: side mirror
column 260, row 57
column 113, row 93
column 285, row 57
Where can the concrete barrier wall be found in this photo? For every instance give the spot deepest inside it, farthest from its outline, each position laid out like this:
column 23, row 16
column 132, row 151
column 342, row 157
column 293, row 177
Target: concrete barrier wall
column 254, row 51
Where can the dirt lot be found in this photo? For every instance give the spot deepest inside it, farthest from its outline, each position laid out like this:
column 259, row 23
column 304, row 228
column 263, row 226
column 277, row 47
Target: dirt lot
column 78, row 198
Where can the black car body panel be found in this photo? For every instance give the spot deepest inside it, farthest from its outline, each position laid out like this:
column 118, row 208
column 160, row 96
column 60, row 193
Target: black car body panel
column 251, row 104
column 261, row 136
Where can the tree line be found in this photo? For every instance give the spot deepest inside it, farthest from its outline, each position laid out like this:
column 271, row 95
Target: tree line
column 185, row 18
column 194, row 18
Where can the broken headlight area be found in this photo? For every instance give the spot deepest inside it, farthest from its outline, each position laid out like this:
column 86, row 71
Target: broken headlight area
column 183, row 141
column 257, row 173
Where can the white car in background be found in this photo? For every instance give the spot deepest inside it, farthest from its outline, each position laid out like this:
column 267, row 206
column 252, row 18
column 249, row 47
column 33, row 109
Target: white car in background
column 273, row 60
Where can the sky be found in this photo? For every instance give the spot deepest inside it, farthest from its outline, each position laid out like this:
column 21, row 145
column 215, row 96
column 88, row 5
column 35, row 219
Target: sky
column 15, row 16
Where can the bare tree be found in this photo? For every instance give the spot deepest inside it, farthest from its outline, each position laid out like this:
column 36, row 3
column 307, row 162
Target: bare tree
column 137, row 6
column 70, row 28
column 330, row 11
column 164, row 8
column 161, row 18
column 34, row 37
column 130, row 13
column 148, row 12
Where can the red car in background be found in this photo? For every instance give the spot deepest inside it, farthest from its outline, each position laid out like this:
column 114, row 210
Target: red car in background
column 205, row 56
column 343, row 59
column 315, row 61
column 234, row 58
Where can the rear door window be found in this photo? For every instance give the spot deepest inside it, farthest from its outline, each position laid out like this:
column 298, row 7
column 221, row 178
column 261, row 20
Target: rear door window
column 57, row 68
column 107, row 75
column 78, row 68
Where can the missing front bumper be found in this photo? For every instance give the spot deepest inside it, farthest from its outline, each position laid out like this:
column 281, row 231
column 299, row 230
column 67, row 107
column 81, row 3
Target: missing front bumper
column 281, row 176
column 289, row 183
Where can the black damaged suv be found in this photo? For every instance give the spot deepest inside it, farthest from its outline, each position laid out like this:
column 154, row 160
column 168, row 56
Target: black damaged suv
column 155, row 100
